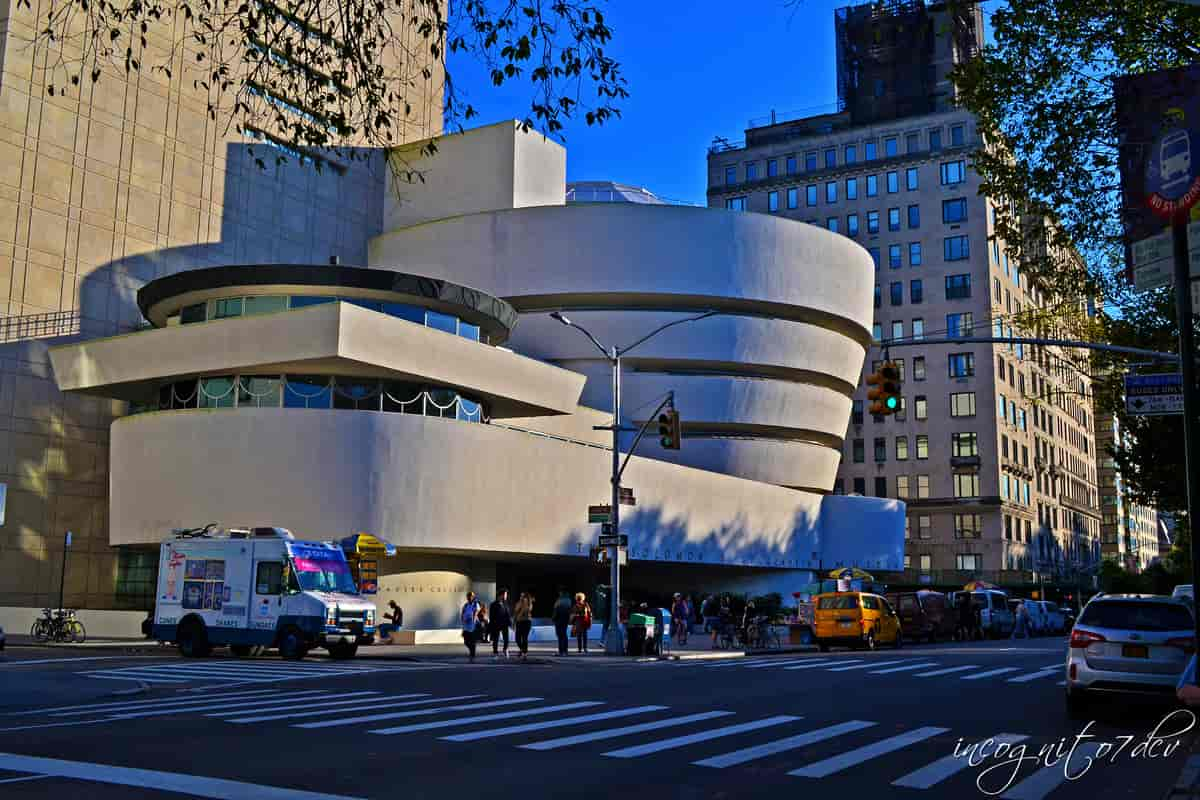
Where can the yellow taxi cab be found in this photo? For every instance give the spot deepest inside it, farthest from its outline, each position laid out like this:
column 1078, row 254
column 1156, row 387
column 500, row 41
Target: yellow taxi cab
column 855, row 619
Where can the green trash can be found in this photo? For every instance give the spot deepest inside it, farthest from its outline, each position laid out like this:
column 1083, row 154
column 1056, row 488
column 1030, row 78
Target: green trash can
column 635, row 639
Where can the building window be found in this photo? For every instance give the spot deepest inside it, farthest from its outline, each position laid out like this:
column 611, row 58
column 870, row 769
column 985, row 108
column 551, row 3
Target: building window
column 893, row 219
column 851, row 188
column 918, row 329
column 956, row 135
column 790, row 165
column 831, row 192
column 897, row 293
column 773, row 202
column 262, row 391
column 958, row 287
column 856, row 413
column 911, row 179
column 924, row 527
column 957, row 248
column 852, row 224
column 772, row 168
column 916, row 291
column 878, row 294
column 893, row 182
column 225, row 308
column 880, row 486
column 922, row 487
column 954, row 210
column 914, row 216
column 891, row 147
column 877, row 332
column 874, row 253
column 914, row 254
column 730, row 176
column 869, row 151
column 919, row 370
column 964, row 445
column 872, row 185
column 966, row 484
column 751, row 171
column 958, row 324
column 859, row 451
column 920, row 404
column 953, row 172
column 736, row 203
column 810, row 195
column 962, row 404
column 935, row 139
column 968, row 562
column 962, row 365
column 872, row 222
column 880, row 449
column 810, row 161
column 860, row 485
column 907, row 557
column 851, row 154
column 832, row 224
column 926, row 563
column 793, row 197
column 902, row 488
column 830, row 158
column 922, row 446
column 895, row 260
column 968, row 526
column 137, row 577
column 898, row 331
column 902, row 452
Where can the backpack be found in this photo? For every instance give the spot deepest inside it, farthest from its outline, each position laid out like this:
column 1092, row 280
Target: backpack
column 468, row 614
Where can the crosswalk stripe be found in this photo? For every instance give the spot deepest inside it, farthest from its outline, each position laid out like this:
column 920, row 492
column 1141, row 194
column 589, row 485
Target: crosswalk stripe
column 136, row 678
column 450, row 723
column 181, row 703
column 947, row 671
column 950, row 765
column 86, row 708
column 199, row 674
column 358, row 697
column 1047, row 779
column 852, row 758
column 207, row 706
column 1059, row 665
column 989, row 673
column 868, row 665
column 423, row 712
column 825, row 663
column 329, row 708
column 904, row 667
column 1042, row 673
column 554, row 723
column 779, row 662
column 736, row 662
column 790, row 743
column 703, row 736
column 613, row 733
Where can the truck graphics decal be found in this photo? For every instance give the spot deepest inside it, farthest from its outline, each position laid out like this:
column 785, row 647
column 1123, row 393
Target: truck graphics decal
column 171, row 588
column 204, row 584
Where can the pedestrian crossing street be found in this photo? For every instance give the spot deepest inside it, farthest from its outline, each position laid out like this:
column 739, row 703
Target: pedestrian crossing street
column 914, row 666
column 229, row 671
column 787, row 743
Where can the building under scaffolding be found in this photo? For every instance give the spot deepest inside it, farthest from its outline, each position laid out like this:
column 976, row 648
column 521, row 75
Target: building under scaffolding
column 895, row 57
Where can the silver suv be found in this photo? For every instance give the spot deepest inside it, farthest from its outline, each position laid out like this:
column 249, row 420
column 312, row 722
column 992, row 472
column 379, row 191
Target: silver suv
column 1128, row 643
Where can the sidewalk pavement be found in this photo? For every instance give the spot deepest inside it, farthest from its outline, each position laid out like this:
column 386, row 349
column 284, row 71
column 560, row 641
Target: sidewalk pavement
column 1187, row 785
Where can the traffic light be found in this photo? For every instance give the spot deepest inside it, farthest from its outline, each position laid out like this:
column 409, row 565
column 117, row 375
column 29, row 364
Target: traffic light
column 669, row 429
column 885, row 396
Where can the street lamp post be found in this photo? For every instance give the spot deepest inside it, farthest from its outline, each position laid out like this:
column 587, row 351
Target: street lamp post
column 614, row 640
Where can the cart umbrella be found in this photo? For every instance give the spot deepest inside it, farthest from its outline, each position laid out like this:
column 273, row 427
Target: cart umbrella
column 852, row 574
column 977, row 585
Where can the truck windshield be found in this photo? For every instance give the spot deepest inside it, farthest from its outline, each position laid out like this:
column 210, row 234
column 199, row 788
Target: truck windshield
column 316, row 573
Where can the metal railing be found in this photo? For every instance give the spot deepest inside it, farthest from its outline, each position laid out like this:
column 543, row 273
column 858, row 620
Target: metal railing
column 54, row 324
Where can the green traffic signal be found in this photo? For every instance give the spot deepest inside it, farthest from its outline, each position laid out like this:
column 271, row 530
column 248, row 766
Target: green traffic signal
column 893, row 403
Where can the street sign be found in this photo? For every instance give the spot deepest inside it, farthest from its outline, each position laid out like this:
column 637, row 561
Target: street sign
column 1154, row 395
column 1153, row 262
column 598, row 514
column 626, row 498
column 619, row 540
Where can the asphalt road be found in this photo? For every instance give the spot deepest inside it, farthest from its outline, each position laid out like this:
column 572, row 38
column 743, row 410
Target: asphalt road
column 841, row 724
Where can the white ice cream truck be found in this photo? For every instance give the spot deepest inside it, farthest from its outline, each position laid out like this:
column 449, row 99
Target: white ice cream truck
column 256, row 588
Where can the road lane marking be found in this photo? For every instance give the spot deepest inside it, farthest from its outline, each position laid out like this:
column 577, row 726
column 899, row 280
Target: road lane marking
column 450, row 723
column 1047, row 779
column 778, row 662
column 179, row 783
column 554, row 723
column 781, row 745
column 66, row 711
column 947, row 671
column 1042, row 673
column 736, row 662
column 613, row 733
column 825, row 663
column 950, row 765
column 370, row 696
column 137, row 679
column 332, row 708
column 423, row 712
column 853, row 758
column 28, row 661
column 918, row 665
column 989, row 673
column 868, row 665
column 192, row 706
column 703, row 736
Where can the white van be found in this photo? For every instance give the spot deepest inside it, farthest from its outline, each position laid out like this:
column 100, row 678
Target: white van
column 258, row 588
column 995, row 616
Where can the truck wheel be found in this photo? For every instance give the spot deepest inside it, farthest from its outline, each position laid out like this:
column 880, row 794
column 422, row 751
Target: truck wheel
column 343, row 650
column 292, row 645
column 193, row 640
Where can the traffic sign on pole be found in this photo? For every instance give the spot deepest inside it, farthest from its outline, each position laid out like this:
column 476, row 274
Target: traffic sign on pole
column 618, row 540
column 599, row 514
column 1154, row 395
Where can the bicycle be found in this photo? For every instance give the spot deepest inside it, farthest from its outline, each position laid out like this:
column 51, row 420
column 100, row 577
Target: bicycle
column 59, row 626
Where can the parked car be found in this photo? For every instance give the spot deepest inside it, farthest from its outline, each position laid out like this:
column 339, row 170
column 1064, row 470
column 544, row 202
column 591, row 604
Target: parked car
column 855, row 619
column 1123, row 643
column 1, row 639
column 995, row 615
column 1183, row 590
column 1055, row 620
column 923, row 615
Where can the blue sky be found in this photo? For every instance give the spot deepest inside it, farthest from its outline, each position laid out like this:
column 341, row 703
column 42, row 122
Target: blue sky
column 695, row 70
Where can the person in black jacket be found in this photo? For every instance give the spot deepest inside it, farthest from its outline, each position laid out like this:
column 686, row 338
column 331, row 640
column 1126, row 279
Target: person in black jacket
column 499, row 621
column 562, row 618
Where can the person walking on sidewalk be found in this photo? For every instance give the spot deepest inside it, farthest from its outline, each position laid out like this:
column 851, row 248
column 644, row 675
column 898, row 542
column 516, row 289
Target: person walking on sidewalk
column 523, row 621
column 500, row 620
column 1022, row 625
column 679, row 619
column 581, row 620
column 470, row 624
column 562, row 618
column 710, row 610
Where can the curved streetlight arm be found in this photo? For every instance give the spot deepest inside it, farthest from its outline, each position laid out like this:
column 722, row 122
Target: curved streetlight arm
column 608, row 355
column 662, row 328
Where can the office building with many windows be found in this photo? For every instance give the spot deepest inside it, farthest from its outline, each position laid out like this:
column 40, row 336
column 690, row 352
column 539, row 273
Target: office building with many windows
column 1129, row 531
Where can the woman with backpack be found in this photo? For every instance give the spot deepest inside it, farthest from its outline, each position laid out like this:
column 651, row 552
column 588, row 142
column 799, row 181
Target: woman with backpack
column 581, row 620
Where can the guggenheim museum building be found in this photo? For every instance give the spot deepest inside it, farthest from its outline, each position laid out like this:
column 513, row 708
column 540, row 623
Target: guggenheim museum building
column 428, row 398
